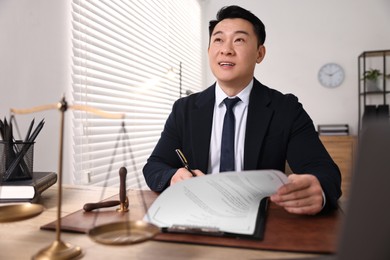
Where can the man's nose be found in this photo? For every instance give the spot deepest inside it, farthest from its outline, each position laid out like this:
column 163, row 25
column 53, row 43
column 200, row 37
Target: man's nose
column 227, row 49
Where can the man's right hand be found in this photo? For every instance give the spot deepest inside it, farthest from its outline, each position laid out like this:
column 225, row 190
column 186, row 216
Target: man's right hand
column 183, row 174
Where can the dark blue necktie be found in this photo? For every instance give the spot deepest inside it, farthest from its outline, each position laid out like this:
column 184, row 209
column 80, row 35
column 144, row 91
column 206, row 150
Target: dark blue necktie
column 227, row 142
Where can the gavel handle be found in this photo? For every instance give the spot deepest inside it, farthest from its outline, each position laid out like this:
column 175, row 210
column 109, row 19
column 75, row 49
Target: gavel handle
column 98, row 205
column 122, row 185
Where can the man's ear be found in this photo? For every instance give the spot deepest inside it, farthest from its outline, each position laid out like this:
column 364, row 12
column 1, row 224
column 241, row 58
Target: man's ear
column 260, row 53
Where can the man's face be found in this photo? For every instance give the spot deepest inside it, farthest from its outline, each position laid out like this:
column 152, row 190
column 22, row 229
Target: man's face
column 233, row 52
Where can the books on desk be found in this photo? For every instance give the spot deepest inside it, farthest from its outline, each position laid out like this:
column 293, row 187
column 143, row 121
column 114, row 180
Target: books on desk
column 27, row 190
column 338, row 129
column 226, row 204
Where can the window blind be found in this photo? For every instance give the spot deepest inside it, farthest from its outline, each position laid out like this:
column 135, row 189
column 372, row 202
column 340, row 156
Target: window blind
column 122, row 51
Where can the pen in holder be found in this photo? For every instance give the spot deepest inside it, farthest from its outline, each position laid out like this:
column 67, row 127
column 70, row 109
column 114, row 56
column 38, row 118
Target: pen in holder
column 16, row 160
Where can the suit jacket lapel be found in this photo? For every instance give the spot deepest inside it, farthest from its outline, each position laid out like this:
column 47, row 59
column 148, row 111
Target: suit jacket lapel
column 258, row 119
column 202, row 120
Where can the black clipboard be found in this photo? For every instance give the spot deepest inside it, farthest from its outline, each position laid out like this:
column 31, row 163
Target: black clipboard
column 258, row 234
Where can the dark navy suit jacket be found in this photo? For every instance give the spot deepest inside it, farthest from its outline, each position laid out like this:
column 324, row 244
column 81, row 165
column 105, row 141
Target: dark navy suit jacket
column 278, row 130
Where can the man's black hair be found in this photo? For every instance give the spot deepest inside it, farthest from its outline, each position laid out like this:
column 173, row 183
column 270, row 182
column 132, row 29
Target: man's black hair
column 234, row 11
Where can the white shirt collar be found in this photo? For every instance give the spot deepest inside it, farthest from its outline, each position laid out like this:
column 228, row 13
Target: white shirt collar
column 243, row 95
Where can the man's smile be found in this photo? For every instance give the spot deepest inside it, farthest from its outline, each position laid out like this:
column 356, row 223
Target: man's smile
column 224, row 64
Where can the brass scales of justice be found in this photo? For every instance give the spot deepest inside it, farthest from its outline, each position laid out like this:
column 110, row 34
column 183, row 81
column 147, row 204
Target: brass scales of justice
column 118, row 233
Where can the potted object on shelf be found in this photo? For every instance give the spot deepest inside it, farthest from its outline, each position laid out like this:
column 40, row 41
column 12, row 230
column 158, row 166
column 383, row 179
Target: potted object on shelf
column 372, row 79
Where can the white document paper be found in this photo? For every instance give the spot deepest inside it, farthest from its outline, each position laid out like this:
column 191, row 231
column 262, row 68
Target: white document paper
column 228, row 201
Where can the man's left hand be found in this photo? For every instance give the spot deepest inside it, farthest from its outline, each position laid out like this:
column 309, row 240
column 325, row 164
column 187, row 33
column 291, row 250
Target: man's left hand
column 302, row 195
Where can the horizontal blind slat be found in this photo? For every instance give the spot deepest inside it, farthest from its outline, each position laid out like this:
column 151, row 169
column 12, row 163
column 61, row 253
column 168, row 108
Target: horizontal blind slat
column 122, row 51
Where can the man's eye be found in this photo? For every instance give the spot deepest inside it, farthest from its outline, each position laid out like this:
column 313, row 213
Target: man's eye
column 217, row 40
column 239, row 40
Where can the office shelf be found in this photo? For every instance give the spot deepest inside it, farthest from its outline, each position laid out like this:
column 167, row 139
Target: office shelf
column 373, row 99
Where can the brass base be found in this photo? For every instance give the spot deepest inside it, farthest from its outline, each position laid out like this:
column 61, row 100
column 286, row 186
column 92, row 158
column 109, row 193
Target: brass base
column 124, row 207
column 59, row 250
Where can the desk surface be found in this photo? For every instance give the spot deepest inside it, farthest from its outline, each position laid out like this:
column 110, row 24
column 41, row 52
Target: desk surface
column 23, row 239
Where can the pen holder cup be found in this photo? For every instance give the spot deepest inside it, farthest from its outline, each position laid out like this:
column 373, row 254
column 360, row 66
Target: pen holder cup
column 16, row 160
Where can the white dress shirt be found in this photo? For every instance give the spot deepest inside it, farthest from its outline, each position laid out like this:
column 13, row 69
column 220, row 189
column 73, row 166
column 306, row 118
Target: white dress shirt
column 240, row 112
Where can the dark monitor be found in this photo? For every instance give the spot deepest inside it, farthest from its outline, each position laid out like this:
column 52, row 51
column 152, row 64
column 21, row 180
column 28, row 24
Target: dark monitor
column 365, row 230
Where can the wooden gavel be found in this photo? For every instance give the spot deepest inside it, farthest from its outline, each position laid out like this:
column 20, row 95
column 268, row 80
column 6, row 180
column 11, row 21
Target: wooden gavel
column 123, row 201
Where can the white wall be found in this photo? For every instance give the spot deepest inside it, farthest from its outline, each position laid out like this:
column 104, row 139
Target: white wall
column 302, row 35
column 34, row 68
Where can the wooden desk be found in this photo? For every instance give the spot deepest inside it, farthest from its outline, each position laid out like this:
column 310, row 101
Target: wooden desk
column 342, row 149
column 23, row 239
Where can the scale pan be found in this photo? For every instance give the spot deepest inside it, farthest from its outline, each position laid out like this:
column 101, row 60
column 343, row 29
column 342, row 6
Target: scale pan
column 123, row 233
column 19, row 212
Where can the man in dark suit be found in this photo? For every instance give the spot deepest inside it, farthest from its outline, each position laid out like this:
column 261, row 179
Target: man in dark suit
column 270, row 127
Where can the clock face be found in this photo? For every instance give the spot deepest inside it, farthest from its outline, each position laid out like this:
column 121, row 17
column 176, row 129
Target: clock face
column 331, row 75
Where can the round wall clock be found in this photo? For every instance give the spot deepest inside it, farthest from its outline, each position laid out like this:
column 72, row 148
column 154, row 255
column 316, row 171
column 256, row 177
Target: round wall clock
column 331, row 75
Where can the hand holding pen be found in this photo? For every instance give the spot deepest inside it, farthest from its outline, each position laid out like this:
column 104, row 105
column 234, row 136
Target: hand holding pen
column 184, row 161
